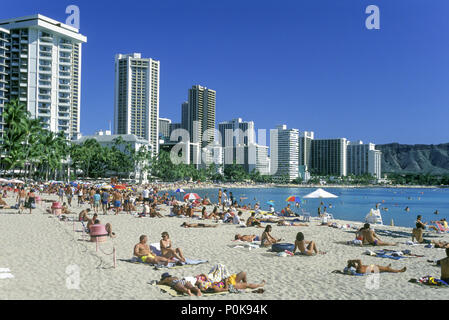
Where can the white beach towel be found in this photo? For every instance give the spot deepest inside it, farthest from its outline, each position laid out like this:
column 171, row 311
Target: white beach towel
column 6, row 276
column 5, row 270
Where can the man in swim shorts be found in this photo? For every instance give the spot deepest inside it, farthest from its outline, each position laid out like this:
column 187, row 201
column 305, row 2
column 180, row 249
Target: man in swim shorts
column 143, row 252
column 370, row 237
column 117, row 197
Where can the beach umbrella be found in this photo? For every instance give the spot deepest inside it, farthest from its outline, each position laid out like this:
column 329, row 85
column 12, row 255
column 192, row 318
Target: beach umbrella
column 192, row 196
column 16, row 181
column 293, row 199
column 106, row 187
column 119, row 187
column 320, row 194
column 271, row 203
column 3, row 180
column 180, row 191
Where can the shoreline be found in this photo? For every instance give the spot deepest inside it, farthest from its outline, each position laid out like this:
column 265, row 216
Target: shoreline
column 163, row 187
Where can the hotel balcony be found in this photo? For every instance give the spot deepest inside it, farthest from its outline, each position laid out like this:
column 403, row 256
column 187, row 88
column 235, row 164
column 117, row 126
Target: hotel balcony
column 46, row 39
column 24, row 41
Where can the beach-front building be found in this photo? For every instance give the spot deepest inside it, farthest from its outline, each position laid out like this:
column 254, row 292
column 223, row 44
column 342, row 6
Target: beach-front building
column 4, row 73
column 44, row 70
column 107, row 139
column 164, row 129
column 364, row 159
column 329, row 157
column 284, row 153
column 136, row 99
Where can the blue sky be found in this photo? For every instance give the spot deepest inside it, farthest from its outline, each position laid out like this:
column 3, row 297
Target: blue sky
column 309, row 64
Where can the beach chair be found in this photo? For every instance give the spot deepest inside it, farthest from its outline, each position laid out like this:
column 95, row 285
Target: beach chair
column 84, row 227
column 305, row 215
column 440, row 227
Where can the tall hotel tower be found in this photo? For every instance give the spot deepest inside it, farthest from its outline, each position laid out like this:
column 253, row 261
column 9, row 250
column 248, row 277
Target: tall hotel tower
column 44, row 70
column 136, row 102
column 199, row 116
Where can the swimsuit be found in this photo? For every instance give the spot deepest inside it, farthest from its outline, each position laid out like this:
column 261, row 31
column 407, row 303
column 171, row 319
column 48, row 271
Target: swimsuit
column 145, row 258
column 117, row 204
column 232, row 279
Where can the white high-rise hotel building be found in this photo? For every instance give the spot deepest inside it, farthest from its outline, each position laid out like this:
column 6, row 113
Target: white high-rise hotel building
column 44, row 70
column 136, row 101
column 284, row 152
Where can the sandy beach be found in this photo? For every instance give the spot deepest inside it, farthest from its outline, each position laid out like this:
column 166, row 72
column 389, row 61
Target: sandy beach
column 38, row 248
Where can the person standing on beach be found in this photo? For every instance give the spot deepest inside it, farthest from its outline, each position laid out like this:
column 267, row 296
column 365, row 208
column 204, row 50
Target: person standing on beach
column 96, row 198
column 117, row 198
column 21, row 197
column 146, row 195
column 220, row 195
column 31, row 200
column 105, row 201
column 69, row 195
column 61, row 194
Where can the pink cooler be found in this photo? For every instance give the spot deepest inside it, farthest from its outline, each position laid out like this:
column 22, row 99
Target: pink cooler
column 98, row 233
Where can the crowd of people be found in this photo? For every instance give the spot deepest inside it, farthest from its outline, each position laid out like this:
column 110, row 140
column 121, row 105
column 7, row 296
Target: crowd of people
column 145, row 203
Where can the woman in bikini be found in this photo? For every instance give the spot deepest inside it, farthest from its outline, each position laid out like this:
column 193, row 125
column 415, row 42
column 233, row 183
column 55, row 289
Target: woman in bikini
column 197, row 225
column 300, row 244
column 167, row 250
column 184, row 286
column 267, row 238
column 360, row 268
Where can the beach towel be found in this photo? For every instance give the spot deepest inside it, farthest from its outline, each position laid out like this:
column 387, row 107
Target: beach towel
column 171, row 265
column 349, row 272
column 174, row 293
column 430, row 281
column 4, row 270
column 383, row 254
column 354, row 242
column 218, row 273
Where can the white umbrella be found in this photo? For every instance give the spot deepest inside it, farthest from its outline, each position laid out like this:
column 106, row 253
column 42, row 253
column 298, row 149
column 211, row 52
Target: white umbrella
column 3, row 180
column 16, row 181
column 320, row 193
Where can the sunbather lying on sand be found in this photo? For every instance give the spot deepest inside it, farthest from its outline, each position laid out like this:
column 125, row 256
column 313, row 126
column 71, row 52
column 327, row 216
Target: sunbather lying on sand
column 197, row 225
column 143, row 252
column 238, row 281
column 247, row 238
column 360, row 268
column 370, row 237
column 185, row 285
column 441, row 244
column 300, row 244
column 284, row 223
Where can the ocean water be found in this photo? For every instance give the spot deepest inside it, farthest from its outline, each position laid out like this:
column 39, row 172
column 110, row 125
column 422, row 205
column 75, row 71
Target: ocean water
column 352, row 203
